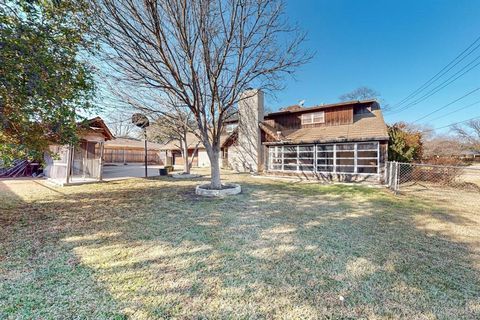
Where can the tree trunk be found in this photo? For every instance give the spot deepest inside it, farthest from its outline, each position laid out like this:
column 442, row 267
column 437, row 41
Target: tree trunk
column 215, row 182
column 186, row 165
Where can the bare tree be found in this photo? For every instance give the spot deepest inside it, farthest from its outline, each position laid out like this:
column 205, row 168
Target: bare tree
column 121, row 125
column 469, row 133
column 361, row 93
column 442, row 146
column 170, row 120
column 201, row 53
column 176, row 127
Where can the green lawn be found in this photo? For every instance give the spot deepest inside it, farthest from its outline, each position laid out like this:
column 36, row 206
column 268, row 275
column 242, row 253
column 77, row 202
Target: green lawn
column 147, row 249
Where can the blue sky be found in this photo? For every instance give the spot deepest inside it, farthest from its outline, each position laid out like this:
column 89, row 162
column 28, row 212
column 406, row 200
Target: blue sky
column 391, row 46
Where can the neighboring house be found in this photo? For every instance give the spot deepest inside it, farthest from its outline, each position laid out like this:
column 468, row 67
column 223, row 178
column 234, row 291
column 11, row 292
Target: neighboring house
column 341, row 141
column 128, row 150
column 197, row 154
column 82, row 163
column 470, row 155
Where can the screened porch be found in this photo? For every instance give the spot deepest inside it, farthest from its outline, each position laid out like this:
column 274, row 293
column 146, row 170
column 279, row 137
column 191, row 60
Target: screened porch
column 356, row 158
column 72, row 165
column 83, row 162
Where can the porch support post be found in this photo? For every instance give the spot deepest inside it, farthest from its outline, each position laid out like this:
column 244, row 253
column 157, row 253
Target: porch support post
column 355, row 158
column 390, row 173
column 69, row 163
column 100, row 177
column 84, row 159
column 334, row 158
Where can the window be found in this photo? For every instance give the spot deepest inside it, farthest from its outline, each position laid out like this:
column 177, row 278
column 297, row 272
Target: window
column 314, row 117
column 231, row 127
column 343, row 158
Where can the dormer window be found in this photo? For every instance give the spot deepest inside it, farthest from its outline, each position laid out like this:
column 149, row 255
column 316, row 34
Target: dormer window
column 363, row 110
column 313, row 117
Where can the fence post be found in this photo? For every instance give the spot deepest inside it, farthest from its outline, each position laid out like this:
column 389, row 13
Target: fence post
column 394, row 175
column 385, row 173
column 397, row 177
column 390, row 169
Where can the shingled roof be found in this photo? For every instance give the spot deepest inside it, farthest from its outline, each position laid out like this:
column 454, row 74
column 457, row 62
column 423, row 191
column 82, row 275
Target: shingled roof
column 96, row 125
column 364, row 127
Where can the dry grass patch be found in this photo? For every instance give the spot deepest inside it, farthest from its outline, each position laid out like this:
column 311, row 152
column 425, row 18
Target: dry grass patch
column 147, row 249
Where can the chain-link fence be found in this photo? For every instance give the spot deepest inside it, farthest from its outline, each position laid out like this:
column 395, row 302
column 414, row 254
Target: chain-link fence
column 451, row 185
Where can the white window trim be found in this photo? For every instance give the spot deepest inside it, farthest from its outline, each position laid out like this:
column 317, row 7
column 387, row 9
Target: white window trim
column 311, row 117
column 316, row 149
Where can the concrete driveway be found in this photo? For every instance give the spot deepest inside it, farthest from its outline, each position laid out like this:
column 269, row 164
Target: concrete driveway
column 115, row 172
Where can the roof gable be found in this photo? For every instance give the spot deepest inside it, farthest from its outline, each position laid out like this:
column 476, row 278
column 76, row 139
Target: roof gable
column 96, row 125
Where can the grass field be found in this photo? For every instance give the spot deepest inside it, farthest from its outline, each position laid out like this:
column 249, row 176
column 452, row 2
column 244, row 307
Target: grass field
column 148, row 249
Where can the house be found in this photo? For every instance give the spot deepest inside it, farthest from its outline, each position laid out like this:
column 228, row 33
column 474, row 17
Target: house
column 341, row 141
column 344, row 141
column 66, row 164
column 129, row 150
column 197, row 153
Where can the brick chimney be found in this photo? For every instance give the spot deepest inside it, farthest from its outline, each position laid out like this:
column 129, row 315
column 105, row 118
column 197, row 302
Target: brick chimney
column 249, row 151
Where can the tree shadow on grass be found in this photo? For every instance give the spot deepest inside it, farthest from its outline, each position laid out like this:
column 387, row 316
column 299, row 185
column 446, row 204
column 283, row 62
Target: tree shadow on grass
column 276, row 250
column 40, row 277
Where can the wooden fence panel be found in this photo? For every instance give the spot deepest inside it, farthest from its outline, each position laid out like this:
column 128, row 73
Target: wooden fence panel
column 111, row 155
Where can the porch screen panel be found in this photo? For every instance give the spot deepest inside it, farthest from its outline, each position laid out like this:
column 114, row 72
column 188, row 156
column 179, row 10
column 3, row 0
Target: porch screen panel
column 325, row 158
column 275, row 158
column 290, row 158
column 345, row 158
column 367, row 157
column 306, row 158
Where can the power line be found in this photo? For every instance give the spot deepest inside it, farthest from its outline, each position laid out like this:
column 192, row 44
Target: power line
column 451, row 124
column 448, row 104
column 442, row 72
column 459, row 109
column 439, row 87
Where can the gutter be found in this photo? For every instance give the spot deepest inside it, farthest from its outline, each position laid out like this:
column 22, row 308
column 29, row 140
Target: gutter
column 291, row 142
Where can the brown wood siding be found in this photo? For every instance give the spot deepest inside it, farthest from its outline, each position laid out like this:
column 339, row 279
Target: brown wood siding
column 131, row 155
column 333, row 116
column 383, row 152
column 338, row 116
column 286, row 121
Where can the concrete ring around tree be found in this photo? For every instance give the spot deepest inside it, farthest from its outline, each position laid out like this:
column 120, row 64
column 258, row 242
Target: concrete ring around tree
column 229, row 190
column 185, row 176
